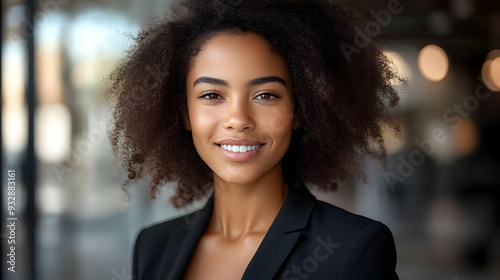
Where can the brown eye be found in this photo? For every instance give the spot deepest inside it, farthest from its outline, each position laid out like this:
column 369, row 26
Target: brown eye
column 266, row 96
column 210, row 96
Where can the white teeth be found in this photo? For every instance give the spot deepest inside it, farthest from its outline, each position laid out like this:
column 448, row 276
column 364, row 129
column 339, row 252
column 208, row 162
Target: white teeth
column 239, row 149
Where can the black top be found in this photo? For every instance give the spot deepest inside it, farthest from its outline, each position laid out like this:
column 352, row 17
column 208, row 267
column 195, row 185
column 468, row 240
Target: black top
column 308, row 239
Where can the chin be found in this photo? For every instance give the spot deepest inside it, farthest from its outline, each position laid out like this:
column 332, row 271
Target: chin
column 237, row 178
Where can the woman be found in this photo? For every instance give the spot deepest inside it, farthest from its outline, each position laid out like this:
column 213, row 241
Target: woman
column 245, row 101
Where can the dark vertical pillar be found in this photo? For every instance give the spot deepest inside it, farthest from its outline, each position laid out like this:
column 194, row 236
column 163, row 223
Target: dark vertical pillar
column 30, row 163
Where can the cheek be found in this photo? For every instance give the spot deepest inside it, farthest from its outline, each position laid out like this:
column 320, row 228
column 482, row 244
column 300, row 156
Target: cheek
column 278, row 121
column 203, row 123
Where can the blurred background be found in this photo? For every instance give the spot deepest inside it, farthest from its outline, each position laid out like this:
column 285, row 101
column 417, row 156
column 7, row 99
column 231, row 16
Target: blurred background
column 440, row 193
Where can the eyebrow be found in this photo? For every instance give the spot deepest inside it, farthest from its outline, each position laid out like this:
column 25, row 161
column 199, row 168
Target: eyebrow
column 254, row 82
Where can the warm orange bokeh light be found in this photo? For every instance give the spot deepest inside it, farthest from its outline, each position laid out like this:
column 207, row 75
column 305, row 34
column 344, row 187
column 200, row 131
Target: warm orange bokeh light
column 492, row 55
column 491, row 72
column 433, row 63
column 466, row 138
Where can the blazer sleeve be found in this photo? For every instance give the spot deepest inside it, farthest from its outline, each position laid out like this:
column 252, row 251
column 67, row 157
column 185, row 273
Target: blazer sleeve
column 372, row 255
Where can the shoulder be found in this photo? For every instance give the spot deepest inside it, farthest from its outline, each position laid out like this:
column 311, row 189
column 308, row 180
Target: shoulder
column 365, row 246
column 157, row 232
column 352, row 230
column 151, row 239
column 150, row 244
column 330, row 217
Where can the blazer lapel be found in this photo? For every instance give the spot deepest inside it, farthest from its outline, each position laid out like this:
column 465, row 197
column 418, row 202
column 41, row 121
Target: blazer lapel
column 272, row 252
column 282, row 235
column 182, row 243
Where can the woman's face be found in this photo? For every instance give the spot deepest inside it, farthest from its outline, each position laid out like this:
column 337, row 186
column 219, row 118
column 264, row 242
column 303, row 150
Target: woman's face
column 240, row 107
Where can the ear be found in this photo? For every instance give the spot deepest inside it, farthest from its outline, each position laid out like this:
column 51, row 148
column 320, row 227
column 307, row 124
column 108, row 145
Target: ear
column 185, row 118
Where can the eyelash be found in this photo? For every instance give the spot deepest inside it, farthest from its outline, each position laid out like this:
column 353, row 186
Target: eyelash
column 270, row 94
column 206, row 96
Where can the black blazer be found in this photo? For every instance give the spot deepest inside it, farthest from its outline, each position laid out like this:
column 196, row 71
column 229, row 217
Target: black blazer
column 308, row 239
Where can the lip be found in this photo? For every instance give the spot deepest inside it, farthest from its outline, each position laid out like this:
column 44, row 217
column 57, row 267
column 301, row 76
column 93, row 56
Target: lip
column 239, row 157
column 238, row 142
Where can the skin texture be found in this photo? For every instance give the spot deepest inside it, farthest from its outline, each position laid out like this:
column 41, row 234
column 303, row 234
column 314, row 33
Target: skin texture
column 248, row 194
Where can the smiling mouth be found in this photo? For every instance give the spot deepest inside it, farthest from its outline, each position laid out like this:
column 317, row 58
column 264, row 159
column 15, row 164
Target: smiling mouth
column 240, row 148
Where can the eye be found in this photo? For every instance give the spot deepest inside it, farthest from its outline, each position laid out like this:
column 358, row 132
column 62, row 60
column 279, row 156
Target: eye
column 210, row 96
column 267, row 96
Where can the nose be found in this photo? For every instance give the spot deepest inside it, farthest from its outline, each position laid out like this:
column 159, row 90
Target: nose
column 238, row 116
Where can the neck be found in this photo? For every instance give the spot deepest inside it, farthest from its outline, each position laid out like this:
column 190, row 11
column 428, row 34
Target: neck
column 244, row 209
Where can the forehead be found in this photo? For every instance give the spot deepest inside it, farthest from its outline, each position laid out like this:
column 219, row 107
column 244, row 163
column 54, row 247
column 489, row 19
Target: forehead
column 242, row 54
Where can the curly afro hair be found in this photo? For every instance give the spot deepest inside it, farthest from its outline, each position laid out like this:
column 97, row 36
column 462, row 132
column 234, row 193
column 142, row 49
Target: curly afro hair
column 341, row 93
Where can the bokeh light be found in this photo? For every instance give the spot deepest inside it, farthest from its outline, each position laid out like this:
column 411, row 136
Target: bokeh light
column 493, row 55
column 53, row 132
column 466, row 138
column 433, row 63
column 490, row 71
